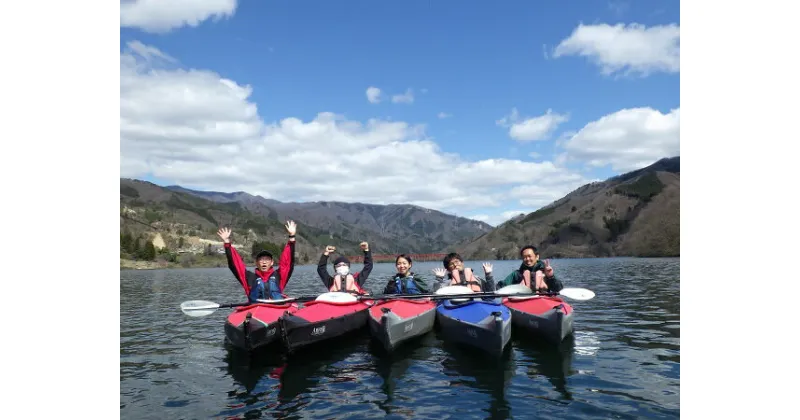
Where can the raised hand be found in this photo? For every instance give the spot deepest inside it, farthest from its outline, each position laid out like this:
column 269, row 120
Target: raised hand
column 364, row 246
column 487, row 268
column 330, row 249
column 291, row 227
column 439, row 272
column 548, row 271
column 224, row 234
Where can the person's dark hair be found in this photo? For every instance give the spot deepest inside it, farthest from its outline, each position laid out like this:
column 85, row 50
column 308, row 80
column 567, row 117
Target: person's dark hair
column 535, row 251
column 264, row 253
column 405, row 257
column 450, row 257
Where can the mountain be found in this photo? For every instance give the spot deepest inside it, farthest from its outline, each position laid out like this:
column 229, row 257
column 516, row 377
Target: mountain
column 175, row 212
column 633, row 214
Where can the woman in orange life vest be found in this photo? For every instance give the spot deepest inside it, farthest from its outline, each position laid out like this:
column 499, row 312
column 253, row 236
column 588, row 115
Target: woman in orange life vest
column 454, row 274
column 343, row 280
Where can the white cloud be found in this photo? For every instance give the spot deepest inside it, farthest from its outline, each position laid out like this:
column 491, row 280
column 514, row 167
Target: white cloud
column 534, row 128
column 539, row 194
column 161, row 16
column 500, row 218
column 443, row 115
column 628, row 139
column 373, row 94
column 405, row 98
column 195, row 128
column 633, row 49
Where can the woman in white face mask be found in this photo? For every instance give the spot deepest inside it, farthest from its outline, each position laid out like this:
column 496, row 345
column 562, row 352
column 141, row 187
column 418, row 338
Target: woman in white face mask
column 343, row 280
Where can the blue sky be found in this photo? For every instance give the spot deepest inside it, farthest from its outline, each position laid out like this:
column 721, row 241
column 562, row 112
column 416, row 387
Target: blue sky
column 474, row 62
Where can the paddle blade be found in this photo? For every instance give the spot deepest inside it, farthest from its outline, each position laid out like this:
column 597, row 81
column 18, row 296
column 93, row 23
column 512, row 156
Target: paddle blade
column 198, row 308
column 576, row 293
column 454, row 290
column 515, row 289
column 276, row 301
column 336, row 297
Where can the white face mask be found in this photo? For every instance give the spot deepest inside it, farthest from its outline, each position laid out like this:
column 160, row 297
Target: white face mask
column 343, row 270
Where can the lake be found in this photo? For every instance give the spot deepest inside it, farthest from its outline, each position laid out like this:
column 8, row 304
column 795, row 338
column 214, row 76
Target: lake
column 623, row 360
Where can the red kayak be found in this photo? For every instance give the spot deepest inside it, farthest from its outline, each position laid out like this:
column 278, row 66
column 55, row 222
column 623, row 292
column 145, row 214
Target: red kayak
column 546, row 316
column 395, row 321
column 333, row 314
column 255, row 326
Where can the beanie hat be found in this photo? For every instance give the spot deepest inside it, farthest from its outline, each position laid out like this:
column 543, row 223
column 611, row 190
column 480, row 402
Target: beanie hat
column 341, row 259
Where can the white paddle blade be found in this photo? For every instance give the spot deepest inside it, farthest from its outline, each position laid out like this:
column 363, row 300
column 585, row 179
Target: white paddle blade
column 336, row 297
column 275, row 301
column 577, row 293
column 454, row 290
column 514, row 289
column 198, row 308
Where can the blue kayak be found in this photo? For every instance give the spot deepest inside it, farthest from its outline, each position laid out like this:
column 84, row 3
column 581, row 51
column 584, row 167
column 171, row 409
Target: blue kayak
column 484, row 324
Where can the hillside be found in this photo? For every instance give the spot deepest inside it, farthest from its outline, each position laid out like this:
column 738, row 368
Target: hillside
column 634, row 214
column 389, row 228
column 185, row 223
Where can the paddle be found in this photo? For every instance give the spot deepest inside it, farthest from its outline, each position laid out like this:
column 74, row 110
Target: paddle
column 575, row 293
column 198, row 308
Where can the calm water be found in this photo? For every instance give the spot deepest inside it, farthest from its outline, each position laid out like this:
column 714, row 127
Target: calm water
column 622, row 362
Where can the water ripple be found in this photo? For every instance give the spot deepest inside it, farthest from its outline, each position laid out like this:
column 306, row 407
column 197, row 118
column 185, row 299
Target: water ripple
column 622, row 362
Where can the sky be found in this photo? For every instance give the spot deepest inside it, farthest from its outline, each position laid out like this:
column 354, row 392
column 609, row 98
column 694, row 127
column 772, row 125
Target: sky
column 480, row 109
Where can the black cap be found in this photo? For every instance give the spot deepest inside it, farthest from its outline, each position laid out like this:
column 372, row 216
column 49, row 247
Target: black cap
column 264, row 253
column 341, row 259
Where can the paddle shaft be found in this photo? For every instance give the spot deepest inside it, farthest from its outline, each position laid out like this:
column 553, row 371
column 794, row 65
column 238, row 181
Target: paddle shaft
column 454, row 296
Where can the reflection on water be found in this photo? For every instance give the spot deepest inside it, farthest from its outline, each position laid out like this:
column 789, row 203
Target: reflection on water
column 622, row 362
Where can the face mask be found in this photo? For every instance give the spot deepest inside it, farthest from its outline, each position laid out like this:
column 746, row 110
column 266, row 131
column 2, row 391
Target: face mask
column 342, row 271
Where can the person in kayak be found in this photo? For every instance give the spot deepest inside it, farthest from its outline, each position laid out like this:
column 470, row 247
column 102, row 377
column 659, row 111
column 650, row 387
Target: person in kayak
column 264, row 282
column 534, row 273
column 343, row 280
column 455, row 274
column 405, row 282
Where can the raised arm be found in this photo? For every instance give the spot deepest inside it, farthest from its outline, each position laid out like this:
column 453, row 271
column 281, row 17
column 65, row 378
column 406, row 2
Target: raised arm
column 488, row 278
column 286, row 263
column 550, row 278
column 235, row 262
column 361, row 277
column 440, row 280
column 322, row 267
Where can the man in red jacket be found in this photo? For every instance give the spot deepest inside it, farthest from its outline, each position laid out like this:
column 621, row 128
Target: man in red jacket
column 264, row 282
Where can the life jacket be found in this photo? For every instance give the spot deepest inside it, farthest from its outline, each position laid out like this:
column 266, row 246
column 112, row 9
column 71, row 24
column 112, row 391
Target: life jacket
column 473, row 283
column 350, row 284
column 406, row 285
column 268, row 289
column 530, row 280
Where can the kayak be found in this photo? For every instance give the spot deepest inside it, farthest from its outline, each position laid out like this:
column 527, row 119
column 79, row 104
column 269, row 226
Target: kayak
column 255, row 326
column 483, row 324
column 396, row 321
column 331, row 315
column 546, row 316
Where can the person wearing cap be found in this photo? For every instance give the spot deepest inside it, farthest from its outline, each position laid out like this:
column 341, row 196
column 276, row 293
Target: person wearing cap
column 265, row 282
column 343, row 280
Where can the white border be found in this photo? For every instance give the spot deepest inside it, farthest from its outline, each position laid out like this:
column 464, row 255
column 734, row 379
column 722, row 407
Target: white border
column 738, row 93
column 60, row 120
column 61, row 160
